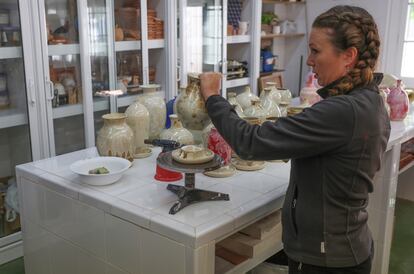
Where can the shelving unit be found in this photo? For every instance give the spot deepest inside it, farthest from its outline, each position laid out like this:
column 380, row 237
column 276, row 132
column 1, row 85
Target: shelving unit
column 238, row 82
column 407, row 167
column 282, row 2
column 238, row 39
column 63, row 49
column 127, row 45
column 10, row 52
column 288, row 35
column 12, row 118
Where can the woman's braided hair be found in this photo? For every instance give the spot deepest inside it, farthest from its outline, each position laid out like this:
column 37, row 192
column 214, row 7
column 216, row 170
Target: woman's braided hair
column 352, row 27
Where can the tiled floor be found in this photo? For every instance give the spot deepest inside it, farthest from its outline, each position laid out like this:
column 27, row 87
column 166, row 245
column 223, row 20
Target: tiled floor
column 402, row 250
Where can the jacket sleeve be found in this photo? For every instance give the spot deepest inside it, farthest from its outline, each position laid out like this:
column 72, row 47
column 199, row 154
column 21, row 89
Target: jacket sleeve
column 322, row 128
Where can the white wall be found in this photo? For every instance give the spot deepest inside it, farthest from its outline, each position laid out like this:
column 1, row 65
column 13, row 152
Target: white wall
column 379, row 9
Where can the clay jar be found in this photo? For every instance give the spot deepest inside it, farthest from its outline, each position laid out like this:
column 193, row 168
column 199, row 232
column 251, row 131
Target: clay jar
column 398, row 101
column 138, row 120
column 190, row 105
column 177, row 133
column 256, row 110
column 156, row 107
column 231, row 97
column 115, row 138
column 245, row 98
column 269, row 105
column 274, row 93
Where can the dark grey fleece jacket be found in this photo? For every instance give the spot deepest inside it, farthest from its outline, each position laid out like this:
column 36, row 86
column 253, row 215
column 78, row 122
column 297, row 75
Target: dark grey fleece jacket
column 335, row 148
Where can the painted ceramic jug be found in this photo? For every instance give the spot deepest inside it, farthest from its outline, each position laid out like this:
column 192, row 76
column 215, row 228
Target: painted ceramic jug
column 190, row 106
column 399, row 103
column 155, row 105
column 116, row 138
column 138, row 119
column 245, row 98
column 177, row 133
column 308, row 94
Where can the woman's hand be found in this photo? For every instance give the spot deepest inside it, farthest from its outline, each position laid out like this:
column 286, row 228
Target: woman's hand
column 210, row 84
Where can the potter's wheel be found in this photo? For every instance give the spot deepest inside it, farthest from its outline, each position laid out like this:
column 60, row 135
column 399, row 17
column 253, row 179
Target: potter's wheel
column 188, row 194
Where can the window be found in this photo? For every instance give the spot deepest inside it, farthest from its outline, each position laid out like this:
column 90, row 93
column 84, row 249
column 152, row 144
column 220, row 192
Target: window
column 407, row 66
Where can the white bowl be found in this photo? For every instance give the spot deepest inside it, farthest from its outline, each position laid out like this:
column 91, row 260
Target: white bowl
column 116, row 166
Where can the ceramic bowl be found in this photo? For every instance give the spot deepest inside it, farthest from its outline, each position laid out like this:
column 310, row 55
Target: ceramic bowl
column 192, row 154
column 116, row 166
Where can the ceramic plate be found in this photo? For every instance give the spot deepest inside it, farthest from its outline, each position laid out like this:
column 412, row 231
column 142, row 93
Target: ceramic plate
column 115, row 165
column 193, row 155
column 248, row 165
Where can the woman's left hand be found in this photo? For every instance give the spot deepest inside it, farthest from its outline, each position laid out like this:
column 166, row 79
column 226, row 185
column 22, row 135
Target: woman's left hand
column 210, row 83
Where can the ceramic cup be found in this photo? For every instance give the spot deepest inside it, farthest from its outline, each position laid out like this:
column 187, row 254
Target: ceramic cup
column 243, row 27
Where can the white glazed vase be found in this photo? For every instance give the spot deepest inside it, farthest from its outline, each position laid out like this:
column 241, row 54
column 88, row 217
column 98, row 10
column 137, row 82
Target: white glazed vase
column 156, row 107
column 245, row 98
column 116, row 138
column 275, row 93
column 286, row 96
column 271, row 108
column 231, row 98
column 138, row 119
column 190, row 106
column 256, row 110
column 177, row 133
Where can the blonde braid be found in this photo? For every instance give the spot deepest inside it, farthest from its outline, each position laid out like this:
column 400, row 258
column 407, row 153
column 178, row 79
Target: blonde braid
column 352, row 27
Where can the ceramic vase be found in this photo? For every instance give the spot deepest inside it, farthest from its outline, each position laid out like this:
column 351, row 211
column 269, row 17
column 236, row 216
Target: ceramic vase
column 116, row 138
column 219, row 146
column 286, row 96
column 138, row 119
column 275, row 94
column 245, row 98
column 231, row 97
column 268, row 103
column 190, row 106
column 205, row 133
column 384, row 91
column 399, row 103
column 256, row 110
column 155, row 105
column 177, row 133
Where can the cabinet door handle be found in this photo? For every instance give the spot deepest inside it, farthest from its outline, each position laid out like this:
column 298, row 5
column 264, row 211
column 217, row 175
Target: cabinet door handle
column 178, row 73
column 32, row 92
column 51, row 90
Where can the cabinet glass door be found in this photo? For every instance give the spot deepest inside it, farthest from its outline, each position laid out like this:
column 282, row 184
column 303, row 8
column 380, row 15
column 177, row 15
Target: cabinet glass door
column 201, row 36
column 156, row 68
column 15, row 146
column 128, row 49
column 65, row 94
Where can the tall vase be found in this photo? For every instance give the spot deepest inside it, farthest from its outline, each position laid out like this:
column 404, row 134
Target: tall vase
column 399, row 103
column 155, row 105
column 116, row 138
column 177, row 133
column 138, row 119
column 190, row 105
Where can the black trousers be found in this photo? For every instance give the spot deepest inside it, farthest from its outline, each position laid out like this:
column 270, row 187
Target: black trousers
column 298, row 268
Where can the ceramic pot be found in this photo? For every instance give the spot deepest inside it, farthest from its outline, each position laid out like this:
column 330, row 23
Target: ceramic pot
column 286, row 96
column 190, row 105
column 155, row 105
column 138, row 120
column 275, row 94
column 205, row 133
column 384, row 91
column 231, row 97
column 399, row 103
column 177, row 133
column 245, row 98
column 256, row 110
column 116, row 138
column 269, row 105
column 309, row 96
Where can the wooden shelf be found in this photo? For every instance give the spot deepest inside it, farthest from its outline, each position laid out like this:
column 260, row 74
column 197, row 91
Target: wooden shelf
column 410, row 165
column 61, row 50
column 238, row 39
column 10, row 52
column 282, row 2
column 290, row 35
column 271, row 72
column 239, row 82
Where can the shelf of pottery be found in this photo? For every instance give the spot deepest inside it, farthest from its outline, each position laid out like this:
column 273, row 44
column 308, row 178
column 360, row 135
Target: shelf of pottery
column 283, row 41
column 239, row 45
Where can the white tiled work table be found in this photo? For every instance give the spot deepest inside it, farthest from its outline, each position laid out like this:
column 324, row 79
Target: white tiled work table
column 70, row 227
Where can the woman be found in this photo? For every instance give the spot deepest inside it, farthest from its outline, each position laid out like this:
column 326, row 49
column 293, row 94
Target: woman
column 335, row 146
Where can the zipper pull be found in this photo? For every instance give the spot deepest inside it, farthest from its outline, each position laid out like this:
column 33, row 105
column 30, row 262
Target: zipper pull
column 294, row 203
column 300, row 266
